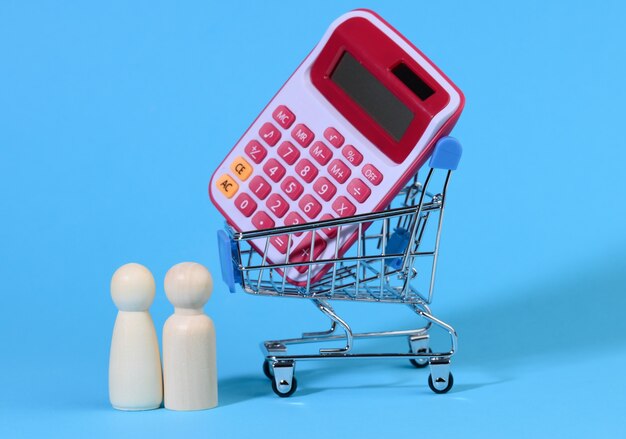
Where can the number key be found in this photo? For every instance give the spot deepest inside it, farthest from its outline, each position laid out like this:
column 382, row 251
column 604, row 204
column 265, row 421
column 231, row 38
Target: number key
column 293, row 219
column 310, row 206
column 306, row 170
column 277, row 205
column 324, row 188
column 288, row 152
column 245, row 204
column 292, row 188
column 274, row 170
column 260, row 187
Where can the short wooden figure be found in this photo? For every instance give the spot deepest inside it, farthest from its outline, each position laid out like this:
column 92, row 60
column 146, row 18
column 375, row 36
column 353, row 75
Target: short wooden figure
column 135, row 380
column 189, row 367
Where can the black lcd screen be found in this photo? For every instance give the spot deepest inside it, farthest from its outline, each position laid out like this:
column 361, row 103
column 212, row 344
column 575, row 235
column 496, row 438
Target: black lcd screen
column 371, row 95
column 411, row 80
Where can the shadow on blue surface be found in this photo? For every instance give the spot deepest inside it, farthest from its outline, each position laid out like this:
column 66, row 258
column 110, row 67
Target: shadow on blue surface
column 579, row 312
column 549, row 320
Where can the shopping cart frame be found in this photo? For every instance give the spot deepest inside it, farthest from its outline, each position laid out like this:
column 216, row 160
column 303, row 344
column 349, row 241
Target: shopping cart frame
column 385, row 277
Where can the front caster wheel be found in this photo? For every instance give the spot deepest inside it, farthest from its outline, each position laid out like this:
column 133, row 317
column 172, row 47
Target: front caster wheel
column 267, row 370
column 421, row 362
column 282, row 389
column 442, row 386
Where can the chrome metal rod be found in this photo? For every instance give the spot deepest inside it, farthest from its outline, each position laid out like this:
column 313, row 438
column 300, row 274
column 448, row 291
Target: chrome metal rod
column 327, row 309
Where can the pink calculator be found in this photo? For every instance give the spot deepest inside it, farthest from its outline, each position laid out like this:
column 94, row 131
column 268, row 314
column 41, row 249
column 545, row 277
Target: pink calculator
column 343, row 135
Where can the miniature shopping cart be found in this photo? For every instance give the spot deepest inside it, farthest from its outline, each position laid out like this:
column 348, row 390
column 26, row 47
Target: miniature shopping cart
column 394, row 260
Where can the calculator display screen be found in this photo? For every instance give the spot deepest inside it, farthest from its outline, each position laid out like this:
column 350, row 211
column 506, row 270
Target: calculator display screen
column 372, row 96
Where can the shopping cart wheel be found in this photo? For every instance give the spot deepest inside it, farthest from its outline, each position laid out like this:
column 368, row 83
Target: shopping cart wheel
column 421, row 362
column 441, row 381
column 282, row 392
column 267, row 370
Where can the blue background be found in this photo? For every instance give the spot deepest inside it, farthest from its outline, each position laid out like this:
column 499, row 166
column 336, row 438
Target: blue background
column 113, row 117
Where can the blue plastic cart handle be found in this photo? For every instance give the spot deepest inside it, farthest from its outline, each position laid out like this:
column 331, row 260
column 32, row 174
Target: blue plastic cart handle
column 447, row 154
column 230, row 273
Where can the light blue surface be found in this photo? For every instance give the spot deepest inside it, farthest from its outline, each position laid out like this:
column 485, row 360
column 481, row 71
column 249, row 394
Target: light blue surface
column 113, row 117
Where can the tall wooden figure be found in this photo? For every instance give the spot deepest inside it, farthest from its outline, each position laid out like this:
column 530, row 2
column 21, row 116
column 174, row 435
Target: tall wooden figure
column 189, row 367
column 135, row 381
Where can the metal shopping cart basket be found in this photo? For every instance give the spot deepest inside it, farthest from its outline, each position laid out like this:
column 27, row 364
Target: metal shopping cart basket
column 385, row 265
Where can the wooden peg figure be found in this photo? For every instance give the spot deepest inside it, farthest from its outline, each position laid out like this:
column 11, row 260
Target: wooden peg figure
column 135, row 381
column 189, row 367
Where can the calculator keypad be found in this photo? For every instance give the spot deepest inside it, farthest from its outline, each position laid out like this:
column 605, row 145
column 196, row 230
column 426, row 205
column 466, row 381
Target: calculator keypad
column 306, row 170
column 321, row 153
column 255, row 151
column 334, row 137
column 298, row 194
column 288, row 152
column 283, row 116
column 292, row 188
column 270, row 134
column 274, row 170
column 260, row 187
column 303, row 135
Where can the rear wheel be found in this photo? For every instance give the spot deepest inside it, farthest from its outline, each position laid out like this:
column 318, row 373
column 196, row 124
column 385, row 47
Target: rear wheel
column 421, row 362
column 267, row 370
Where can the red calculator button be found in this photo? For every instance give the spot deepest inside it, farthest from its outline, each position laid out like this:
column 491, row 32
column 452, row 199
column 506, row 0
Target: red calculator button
column 256, row 151
column 277, row 205
column 293, row 219
column 288, row 152
column 359, row 190
column 343, row 207
column 306, row 170
column 329, row 231
column 274, row 170
column 333, row 137
column 321, row 153
column 324, row 188
column 310, row 206
column 339, row 170
column 262, row 220
column 353, row 156
column 269, row 133
column 302, row 253
column 372, row 174
column 292, row 188
column 283, row 116
column 280, row 242
column 260, row 187
column 302, row 134
column 245, row 204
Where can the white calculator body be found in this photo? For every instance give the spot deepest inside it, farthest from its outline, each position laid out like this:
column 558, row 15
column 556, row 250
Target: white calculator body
column 344, row 134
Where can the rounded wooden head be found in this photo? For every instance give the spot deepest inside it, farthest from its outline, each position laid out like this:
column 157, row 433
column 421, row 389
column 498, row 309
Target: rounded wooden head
column 132, row 288
column 188, row 285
